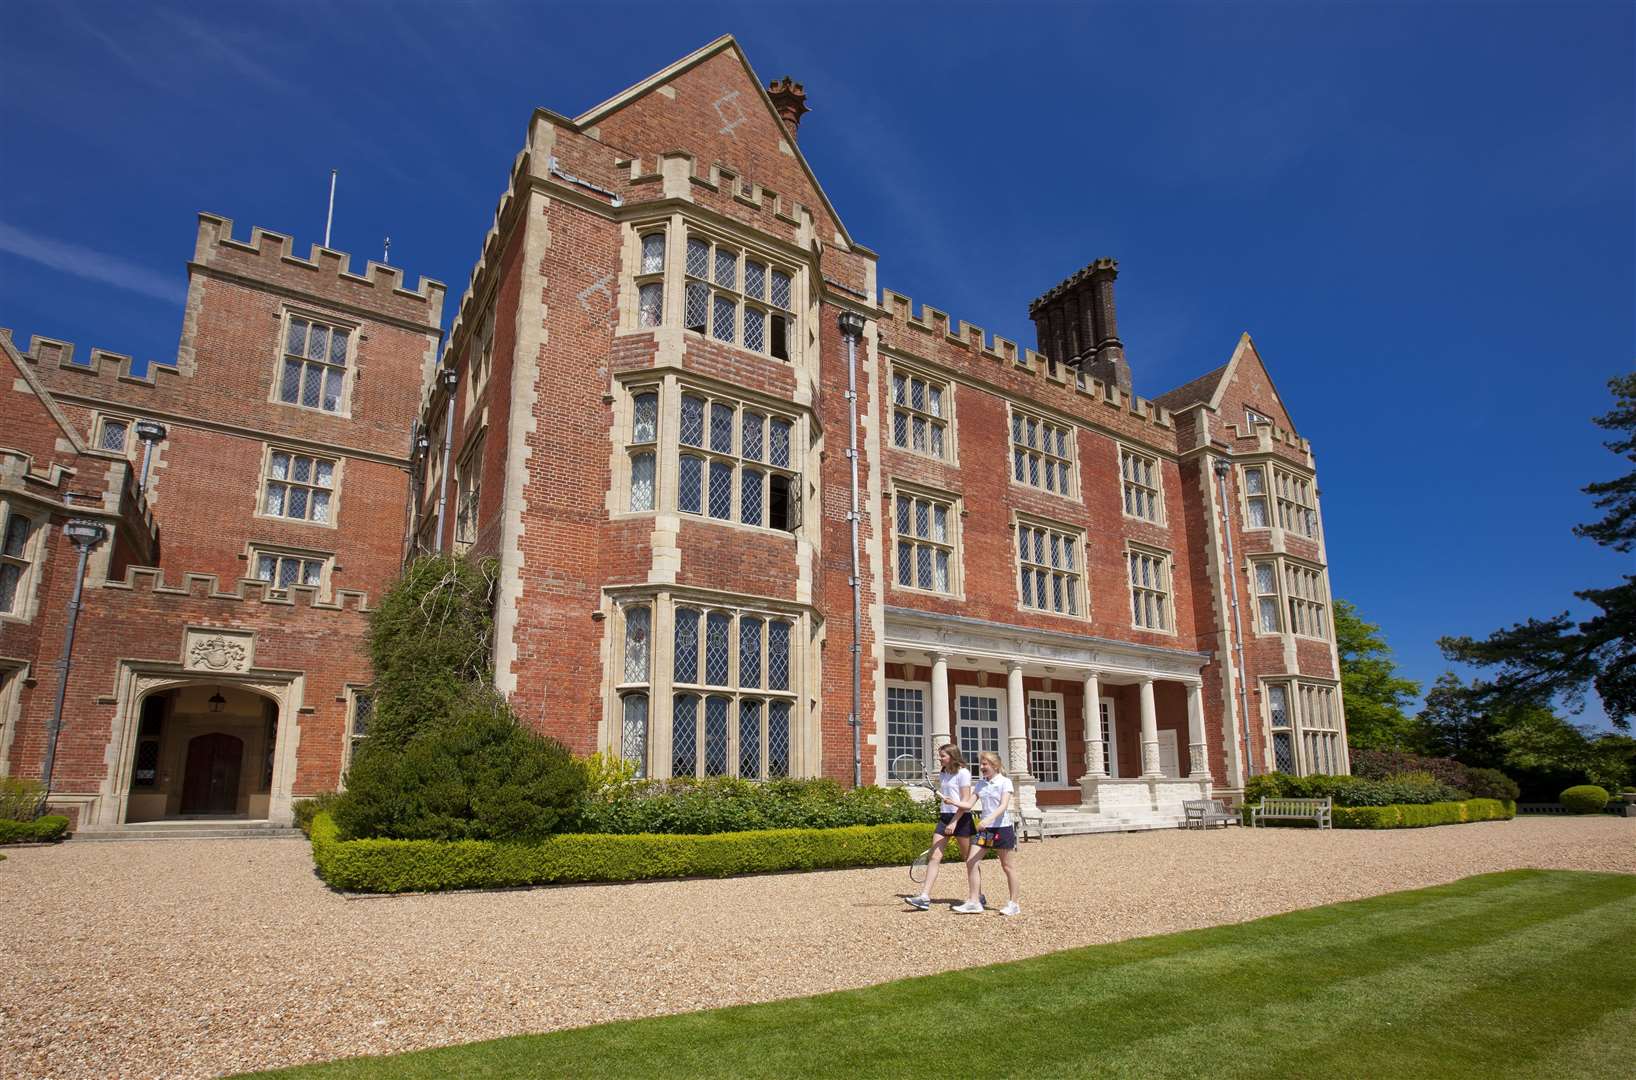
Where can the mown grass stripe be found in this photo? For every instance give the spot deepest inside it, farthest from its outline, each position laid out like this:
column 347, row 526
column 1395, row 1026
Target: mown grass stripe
column 1409, row 984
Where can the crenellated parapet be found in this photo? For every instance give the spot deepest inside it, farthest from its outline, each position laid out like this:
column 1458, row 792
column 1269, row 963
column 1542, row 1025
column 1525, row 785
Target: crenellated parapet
column 149, row 579
column 771, row 211
column 1007, row 356
column 270, row 257
column 54, row 354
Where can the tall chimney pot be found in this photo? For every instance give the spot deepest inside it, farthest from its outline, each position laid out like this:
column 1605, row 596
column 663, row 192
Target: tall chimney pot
column 790, row 99
column 1076, row 324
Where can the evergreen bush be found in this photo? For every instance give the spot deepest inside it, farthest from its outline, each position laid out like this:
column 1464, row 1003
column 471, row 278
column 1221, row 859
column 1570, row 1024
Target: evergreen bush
column 1491, row 784
column 1585, row 799
column 726, row 804
column 38, row 831
column 20, row 798
column 476, row 775
column 307, row 809
column 1405, row 789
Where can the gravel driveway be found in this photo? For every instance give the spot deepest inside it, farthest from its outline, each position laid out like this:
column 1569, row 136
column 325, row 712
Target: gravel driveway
column 193, row 958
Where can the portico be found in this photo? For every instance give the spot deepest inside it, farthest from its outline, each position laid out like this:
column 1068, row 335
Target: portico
column 1093, row 731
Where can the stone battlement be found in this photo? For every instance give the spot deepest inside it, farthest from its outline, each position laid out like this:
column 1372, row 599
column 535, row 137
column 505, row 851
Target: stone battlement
column 151, row 579
column 217, row 249
column 1026, row 361
column 720, row 179
column 99, row 363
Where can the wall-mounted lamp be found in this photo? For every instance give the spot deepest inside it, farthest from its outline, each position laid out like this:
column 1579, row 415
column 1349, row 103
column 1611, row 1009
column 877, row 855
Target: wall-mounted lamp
column 217, row 701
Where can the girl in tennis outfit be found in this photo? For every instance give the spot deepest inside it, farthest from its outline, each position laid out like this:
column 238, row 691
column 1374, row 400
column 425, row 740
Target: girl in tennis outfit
column 995, row 797
column 954, row 784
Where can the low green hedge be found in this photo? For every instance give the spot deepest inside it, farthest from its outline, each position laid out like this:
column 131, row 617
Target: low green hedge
column 39, row 831
column 427, row 865
column 1585, row 799
column 1419, row 815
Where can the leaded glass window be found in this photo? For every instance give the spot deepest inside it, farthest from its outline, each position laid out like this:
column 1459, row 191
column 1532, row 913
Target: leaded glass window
column 315, row 364
column 633, row 745
column 1140, row 474
column 778, row 740
column 14, row 562
column 1307, row 600
column 925, row 543
column 749, row 739
column 715, row 735
column 1296, row 502
column 1149, row 588
column 1255, row 497
column 1265, row 581
column 1042, row 454
column 744, row 473
column 114, row 434
column 684, row 734
column 638, row 627
column 919, row 414
column 298, row 486
column 686, row 666
column 746, row 655
column 1044, row 733
column 745, row 308
column 1049, row 573
column 281, row 571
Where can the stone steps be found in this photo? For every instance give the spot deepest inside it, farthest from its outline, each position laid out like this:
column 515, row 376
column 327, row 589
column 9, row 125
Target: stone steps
column 1079, row 823
column 193, row 830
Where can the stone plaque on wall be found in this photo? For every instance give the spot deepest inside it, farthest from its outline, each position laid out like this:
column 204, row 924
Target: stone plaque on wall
column 218, row 650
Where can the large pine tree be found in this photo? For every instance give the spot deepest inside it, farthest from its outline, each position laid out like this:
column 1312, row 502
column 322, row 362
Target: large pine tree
column 1559, row 658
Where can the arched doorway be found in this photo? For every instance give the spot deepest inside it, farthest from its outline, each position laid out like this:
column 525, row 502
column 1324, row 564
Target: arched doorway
column 203, row 750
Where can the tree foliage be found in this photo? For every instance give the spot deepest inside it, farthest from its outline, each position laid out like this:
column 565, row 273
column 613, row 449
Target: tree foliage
column 431, row 642
column 1559, row 657
column 1375, row 695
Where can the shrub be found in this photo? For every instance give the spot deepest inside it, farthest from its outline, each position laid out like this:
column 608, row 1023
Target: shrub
column 1408, row 788
column 423, row 865
column 1385, row 764
column 430, row 642
column 1491, row 784
column 1585, row 799
column 725, row 804
column 1420, row 815
column 477, row 776
column 39, row 831
column 307, row 809
column 20, row 798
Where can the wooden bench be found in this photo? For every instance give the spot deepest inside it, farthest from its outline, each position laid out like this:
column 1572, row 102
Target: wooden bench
column 1292, row 810
column 1203, row 813
column 1029, row 826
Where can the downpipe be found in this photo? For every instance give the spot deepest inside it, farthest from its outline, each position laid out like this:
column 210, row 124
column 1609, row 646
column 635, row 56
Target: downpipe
column 852, row 325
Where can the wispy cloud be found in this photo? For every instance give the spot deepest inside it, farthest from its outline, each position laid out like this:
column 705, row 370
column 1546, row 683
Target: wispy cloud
column 92, row 265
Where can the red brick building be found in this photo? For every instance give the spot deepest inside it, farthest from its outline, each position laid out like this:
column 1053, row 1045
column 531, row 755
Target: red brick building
column 642, row 411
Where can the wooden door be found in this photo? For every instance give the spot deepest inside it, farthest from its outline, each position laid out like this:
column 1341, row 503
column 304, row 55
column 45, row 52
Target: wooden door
column 211, row 783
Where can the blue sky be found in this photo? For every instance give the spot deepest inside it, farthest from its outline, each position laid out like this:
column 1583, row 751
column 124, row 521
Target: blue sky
column 1423, row 213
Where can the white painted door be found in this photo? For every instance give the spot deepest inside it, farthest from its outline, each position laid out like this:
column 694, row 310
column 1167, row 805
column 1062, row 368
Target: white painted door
column 1169, row 762
column 1110, row 729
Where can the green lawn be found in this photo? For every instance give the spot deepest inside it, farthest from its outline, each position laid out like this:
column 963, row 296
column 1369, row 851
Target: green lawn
column 1521, row 974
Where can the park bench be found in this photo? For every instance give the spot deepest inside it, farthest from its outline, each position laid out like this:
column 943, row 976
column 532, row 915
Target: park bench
column 1029, row 826
column 1203, row 813
column 1292, row 810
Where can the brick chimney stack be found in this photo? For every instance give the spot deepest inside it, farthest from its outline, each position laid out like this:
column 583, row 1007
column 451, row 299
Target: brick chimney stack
column 790, row 99
column 1076, row 324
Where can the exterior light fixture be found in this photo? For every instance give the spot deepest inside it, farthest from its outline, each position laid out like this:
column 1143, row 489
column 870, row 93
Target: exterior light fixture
column 152, row 433
column 217, row 701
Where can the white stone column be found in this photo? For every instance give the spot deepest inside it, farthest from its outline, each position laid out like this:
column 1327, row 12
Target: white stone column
column 1197, row 751
column 941, row 731
column 1096, row 751
column 1017, row 721
column 1150, row 731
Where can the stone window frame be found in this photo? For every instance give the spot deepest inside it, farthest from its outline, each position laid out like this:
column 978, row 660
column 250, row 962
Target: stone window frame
column 1035, row 459
column 934, row 422
column 1255, row 505
column 1060, row 745
column 735, row 459
column 25, row 601
column 1154, row 491
column 1166, row 591
column 1254, row 416
column 99, row 426
column 480, row 364
column 1295, row 500
column 1304, row 606
column 1078, row 544
column 737, row 293
column 13, row 673
column 256, row 551
column 468, row 491
column 1268, row 508
column 356, row 694
column 1312, row 732
column 266, row 477
column 349, row 369
column 954, row 507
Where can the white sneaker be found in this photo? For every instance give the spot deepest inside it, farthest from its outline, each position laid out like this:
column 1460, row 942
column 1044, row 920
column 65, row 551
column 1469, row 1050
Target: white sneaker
column 919, row 903
column 1011, row 909
column 968, row 908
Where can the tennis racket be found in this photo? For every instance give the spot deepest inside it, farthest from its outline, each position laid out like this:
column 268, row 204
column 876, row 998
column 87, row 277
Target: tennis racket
column 917, row 869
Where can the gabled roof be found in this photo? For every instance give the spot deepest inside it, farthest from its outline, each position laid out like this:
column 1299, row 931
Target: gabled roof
column 1200, row 389
column 659, row 78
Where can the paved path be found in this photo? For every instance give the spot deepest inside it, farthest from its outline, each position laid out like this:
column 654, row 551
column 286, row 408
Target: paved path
column 193, row 958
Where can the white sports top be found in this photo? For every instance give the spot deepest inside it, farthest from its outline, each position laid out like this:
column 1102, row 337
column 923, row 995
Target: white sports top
column 950, row 785
column 989, row 795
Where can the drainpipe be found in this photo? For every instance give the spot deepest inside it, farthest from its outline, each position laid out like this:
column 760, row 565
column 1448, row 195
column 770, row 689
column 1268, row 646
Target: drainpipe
column 151, row 433
column 449, row 377
column 1222, row 469
column 852, row 324
column 85, row 535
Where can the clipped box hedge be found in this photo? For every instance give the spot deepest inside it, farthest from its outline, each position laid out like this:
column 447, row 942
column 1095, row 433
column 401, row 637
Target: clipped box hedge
column 39, row 831
column 390, row 866
column 1419, row 815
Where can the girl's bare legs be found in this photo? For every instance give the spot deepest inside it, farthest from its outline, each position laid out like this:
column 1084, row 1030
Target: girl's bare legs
column 1010, row 869
column 974, row 873
column 934, row 862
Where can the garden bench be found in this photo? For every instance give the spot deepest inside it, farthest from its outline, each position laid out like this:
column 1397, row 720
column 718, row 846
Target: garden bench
column 1292, row 810
column 1203, row 813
